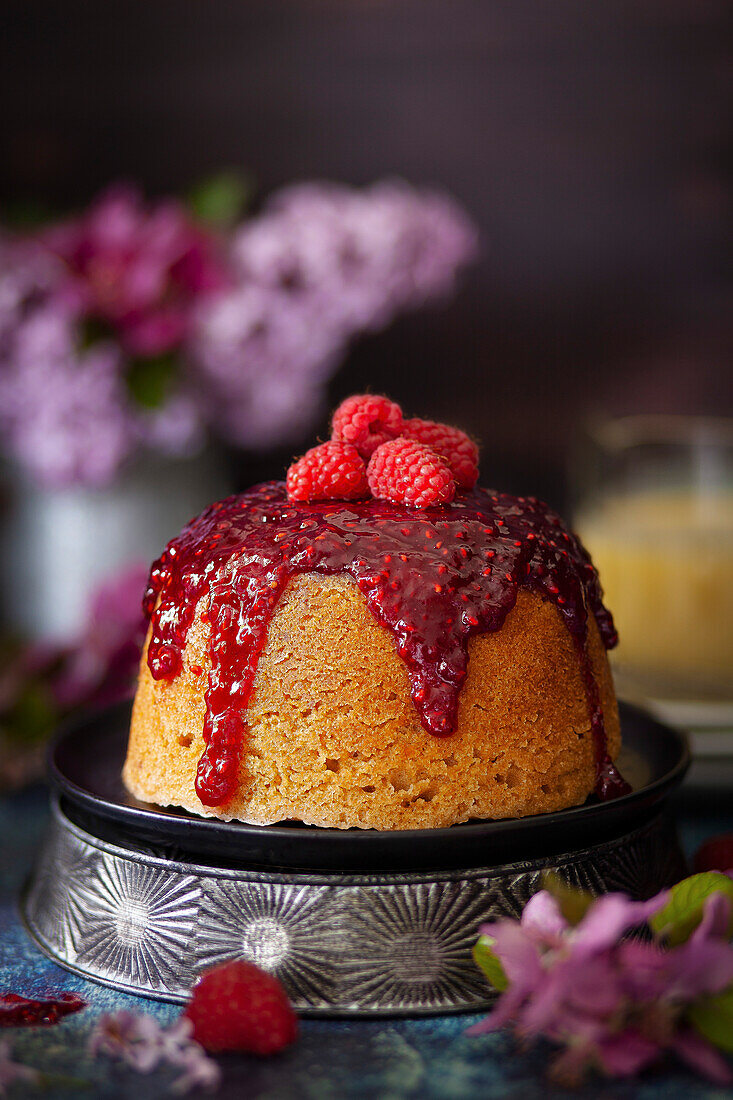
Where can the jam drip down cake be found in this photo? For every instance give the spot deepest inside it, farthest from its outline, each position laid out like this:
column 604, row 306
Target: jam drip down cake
column 372, row 663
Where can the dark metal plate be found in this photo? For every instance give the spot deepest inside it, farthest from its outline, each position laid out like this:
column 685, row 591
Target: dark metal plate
column 86, row 762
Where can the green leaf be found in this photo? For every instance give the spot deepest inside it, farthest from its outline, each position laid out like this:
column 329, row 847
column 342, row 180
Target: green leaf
column 488, row 961
column 93, row 329
column 33, row 717
column 151, row 380
column 25, row 215
column 574, row 903
column 220, row 200
column 683, row 912
column 713, row 1018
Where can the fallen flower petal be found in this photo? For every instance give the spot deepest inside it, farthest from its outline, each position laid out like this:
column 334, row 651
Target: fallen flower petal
column 138, row 1040
column 200, row 1071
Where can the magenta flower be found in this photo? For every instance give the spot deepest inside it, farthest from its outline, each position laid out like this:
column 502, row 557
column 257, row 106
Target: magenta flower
column 612, row 1002
column 138, row 267
column 42, row 684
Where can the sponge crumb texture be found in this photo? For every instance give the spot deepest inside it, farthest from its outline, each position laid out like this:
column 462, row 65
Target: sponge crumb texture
column 333, row 738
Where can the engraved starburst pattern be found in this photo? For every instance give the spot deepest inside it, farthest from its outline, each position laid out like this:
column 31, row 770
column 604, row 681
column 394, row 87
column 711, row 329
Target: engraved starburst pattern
column 283, row 928
column 507, row 895
column 66, row 866
column 344, row 944
column 138, row 924
column 642, row 864
column 411, row 945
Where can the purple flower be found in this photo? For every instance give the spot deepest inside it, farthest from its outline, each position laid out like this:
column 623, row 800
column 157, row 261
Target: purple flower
column 322, row 264
column 12, row 1072
column 257, row 333
column 131, row 1037
column 64, row 411
column 29, row 277
column 262, row 361
column 138, row 267
column 177, row 428
column 612, row 1002
column 362, row 255
column 138, row 1040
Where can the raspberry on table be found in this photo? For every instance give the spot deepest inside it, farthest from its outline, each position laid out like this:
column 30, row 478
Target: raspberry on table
column 716, row 854
column 409, row 472
column 237, row 1006
column 366, row 422
column 458, row 449
column 330, row 471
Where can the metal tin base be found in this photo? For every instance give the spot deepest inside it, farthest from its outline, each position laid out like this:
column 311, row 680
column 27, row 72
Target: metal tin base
column 353, row 945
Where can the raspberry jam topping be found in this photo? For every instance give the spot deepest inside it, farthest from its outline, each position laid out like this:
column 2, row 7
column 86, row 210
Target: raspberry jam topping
column 17, row 1011
column 433, row 578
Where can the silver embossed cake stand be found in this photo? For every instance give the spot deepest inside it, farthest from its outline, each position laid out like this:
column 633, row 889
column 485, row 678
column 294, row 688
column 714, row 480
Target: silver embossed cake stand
column 353, row 922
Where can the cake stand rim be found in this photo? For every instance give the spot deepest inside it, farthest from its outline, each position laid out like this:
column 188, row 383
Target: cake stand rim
column 186, row 862
column 362, row 849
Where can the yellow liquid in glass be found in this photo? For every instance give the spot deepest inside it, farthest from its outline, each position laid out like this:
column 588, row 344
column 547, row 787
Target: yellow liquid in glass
column 665, row 560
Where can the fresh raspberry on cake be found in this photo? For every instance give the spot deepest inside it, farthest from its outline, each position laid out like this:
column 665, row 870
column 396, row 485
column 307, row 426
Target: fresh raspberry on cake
column 366, row 422
column 458, row 449
column 237, row 1006
column 409, row 472
column 331, row 471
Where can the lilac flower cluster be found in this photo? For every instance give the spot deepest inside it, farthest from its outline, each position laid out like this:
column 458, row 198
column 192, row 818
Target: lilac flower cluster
column 614, row 1003
column 138, row 1040
column 62, row 408
column 241, row 333
column 66, row 413
column 321, row 264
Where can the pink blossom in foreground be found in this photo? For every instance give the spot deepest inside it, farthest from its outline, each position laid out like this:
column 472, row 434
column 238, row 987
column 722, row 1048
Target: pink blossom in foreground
column 614, row 1003
column 139, row 1041
column 138, row 266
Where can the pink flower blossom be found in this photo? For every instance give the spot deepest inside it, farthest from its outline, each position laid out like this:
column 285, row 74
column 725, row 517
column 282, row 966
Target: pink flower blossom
column 261, row 361
column 138, row 267
column 614, row 1003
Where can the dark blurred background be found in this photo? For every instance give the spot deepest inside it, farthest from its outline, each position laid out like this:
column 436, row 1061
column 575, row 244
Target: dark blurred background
column 591, row 142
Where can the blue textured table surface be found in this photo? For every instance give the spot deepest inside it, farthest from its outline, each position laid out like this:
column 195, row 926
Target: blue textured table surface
column 432, row 1059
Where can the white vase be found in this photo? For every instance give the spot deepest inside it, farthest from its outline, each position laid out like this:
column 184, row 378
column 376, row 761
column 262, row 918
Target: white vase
column 59, row 544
